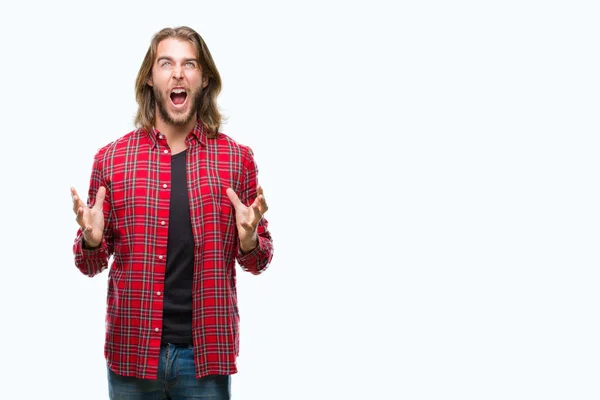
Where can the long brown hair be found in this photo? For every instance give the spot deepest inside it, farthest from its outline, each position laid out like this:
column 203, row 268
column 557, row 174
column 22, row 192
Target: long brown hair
column 208, row 111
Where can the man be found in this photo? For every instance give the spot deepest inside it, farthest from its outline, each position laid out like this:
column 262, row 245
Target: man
column 176, row 203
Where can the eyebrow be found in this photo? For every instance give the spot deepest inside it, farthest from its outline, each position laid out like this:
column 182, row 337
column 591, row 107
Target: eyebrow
column 171, row 59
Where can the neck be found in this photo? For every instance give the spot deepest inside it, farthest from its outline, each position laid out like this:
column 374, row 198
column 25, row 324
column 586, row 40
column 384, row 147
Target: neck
column 175, row 134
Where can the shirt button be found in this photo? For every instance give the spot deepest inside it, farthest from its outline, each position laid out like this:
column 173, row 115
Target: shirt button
column 156, row 329
column 162, row 223
column 166, row 151
column 158, row 293
column 160, row 257
column 160, row 136
column 165, row 185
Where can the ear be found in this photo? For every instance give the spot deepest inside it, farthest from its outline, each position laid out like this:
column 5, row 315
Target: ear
column 204, row 82
column 149, row 81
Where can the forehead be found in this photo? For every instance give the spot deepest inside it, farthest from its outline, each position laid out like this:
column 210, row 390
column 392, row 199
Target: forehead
column 175, row 48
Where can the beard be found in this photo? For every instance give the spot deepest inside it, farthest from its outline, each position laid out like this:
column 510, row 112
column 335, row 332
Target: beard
column 177, row 120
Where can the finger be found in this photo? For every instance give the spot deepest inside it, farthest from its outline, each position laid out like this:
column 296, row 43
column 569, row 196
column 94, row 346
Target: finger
column 233, row 197
column 262, row 204
column 77, row 202
column 79, row 218
column 87, row 235
column 261, row 197
column 100, row 198
column 257, row 215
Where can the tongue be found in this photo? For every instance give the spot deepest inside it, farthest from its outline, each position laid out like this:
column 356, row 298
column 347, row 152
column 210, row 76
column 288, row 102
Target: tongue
column 178, row 98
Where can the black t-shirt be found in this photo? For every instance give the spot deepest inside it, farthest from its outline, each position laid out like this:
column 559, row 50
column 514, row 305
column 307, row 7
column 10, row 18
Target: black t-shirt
column 177, row 307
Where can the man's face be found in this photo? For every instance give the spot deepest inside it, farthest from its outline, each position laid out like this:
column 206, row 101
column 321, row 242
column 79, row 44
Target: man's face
column 177, row 81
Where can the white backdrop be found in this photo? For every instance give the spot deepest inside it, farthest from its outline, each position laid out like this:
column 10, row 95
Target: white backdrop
column 431, row 170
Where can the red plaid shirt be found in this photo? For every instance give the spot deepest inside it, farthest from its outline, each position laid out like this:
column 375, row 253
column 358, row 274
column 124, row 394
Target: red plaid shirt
column 136, row 171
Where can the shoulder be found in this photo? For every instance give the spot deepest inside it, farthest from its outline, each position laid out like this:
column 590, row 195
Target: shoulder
column 226, row 142
column 118, row 145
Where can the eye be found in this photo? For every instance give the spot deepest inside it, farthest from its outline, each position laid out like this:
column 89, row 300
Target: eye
column 165, row 64
column 190, row 64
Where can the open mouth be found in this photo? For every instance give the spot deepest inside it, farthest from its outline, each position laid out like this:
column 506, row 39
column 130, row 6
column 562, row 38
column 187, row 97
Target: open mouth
column 178, row 96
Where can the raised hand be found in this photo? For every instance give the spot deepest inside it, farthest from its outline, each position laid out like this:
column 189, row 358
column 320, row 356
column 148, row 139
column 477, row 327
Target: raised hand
column 91, row 220
column 247, row 218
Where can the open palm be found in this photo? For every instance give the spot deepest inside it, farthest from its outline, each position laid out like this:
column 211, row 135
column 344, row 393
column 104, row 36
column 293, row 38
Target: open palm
column 90, row 219
column 247, row 218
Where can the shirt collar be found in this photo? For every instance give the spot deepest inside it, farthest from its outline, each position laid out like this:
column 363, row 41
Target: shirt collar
column 198, row 132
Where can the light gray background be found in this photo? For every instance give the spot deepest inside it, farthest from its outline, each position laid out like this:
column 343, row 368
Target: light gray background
column 431, row 170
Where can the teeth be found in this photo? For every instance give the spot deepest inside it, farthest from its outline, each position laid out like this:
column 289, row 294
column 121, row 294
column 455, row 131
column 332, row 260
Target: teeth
column 178, row 91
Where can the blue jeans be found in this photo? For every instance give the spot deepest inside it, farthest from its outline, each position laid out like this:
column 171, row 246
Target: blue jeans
column 176, row 380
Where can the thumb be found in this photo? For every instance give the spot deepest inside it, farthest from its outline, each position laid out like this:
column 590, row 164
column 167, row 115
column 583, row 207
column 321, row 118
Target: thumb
column 100, row 197
column 235, row 200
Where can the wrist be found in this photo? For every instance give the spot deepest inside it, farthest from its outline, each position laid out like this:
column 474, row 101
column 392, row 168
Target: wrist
column 248, row 245
column 90, row 246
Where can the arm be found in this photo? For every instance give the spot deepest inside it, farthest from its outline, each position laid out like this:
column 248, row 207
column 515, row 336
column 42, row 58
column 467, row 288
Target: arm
column 91, row 260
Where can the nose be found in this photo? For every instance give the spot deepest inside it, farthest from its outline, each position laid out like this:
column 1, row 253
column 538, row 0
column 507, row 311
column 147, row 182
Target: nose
column 177, row 72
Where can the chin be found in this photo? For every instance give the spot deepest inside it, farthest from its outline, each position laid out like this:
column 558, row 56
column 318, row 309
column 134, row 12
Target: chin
column 179, row 119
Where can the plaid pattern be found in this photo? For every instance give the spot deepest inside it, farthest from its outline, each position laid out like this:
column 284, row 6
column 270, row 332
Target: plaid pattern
column 136, row 171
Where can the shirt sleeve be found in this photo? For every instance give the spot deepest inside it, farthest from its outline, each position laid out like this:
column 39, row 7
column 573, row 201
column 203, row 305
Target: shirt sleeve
column 93, row 261
column 258, row 259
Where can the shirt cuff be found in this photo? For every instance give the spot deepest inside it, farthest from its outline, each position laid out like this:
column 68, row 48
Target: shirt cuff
column 93, row 252
column 254, row 256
